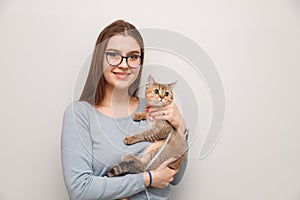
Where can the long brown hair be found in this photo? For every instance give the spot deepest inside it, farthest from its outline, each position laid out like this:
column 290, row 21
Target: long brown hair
column 94, row 88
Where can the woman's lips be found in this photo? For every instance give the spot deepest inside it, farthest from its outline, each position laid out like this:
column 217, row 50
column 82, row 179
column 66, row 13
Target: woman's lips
column 121, row 75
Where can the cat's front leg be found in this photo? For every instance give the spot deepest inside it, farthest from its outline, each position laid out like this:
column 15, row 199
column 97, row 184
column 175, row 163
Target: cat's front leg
column 146, row 135
column 138, row 116
column 150, row 135
column 132, row 139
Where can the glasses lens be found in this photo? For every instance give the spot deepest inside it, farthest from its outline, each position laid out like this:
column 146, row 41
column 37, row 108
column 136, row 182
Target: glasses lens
column 113, row 58
column 134, row 60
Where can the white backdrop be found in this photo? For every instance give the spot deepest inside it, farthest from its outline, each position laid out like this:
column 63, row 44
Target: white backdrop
column 255, row 46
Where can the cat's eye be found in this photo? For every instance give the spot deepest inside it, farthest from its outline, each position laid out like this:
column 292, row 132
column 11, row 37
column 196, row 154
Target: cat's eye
column 156, row 91
column 166, row 94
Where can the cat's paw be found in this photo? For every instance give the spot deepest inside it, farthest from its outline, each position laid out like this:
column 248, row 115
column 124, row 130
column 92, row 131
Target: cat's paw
column 110, row 173
column 136, row 117
column 129, row 140
column 114, row 171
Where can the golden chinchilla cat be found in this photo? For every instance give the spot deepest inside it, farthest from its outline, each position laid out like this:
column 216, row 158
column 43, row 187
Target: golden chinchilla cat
column 156, row 95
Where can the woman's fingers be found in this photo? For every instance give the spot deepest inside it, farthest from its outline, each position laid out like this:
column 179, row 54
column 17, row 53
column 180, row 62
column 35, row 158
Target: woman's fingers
column 169, row 113
column 158, row 108
column 160, row 113
column 167, row 162
column 162, row 176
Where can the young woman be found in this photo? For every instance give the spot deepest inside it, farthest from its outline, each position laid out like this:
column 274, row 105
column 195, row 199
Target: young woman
column 94, row 127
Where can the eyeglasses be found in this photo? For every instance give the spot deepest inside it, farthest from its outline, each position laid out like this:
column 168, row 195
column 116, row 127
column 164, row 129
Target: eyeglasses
column 115, row 59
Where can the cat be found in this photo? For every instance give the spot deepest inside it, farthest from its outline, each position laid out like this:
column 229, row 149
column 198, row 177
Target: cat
column 156, row 95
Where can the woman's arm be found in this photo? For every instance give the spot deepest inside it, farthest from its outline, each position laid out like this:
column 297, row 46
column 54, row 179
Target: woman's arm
column 76, row 152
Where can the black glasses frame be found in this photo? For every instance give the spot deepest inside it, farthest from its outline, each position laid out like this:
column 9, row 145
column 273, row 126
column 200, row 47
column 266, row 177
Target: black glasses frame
column 126, row 58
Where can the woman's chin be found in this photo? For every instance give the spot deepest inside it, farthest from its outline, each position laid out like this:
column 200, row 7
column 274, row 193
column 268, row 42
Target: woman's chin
column 122, row 85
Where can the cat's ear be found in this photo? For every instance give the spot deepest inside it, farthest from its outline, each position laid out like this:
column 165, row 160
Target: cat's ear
column 150, row 80
column 171, row 85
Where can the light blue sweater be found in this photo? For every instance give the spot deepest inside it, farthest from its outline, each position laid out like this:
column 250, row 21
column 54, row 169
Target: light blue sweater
column 91, row 143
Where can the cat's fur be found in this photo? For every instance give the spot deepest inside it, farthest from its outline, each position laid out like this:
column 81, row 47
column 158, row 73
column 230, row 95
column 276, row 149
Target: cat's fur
column 156, row 95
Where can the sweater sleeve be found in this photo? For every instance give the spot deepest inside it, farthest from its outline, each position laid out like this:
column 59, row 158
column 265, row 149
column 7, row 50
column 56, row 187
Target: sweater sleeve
column 76, row 154
column 178, row 177
column 180, row 173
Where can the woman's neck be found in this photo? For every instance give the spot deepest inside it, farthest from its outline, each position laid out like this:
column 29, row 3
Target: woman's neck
column 117, row 103
column 115, row 96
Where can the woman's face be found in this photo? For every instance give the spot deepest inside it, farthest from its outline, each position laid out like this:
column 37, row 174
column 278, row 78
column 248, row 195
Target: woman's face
column 121, row 76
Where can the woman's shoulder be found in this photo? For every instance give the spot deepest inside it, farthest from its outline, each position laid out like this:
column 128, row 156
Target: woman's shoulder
column 77, row 107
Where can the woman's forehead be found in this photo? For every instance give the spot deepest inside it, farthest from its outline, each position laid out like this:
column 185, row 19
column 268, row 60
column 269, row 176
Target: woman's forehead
column 123, row 43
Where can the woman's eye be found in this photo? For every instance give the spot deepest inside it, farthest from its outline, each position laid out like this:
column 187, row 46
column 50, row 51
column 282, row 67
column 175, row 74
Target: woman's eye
column 112, row 54
column 156, row 91
column 134, row 57
column 166, row 94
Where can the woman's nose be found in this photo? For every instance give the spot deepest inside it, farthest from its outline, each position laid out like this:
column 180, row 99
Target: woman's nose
column 123, row 64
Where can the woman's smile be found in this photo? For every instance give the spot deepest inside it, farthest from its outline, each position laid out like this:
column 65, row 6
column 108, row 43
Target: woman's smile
column 121, row 75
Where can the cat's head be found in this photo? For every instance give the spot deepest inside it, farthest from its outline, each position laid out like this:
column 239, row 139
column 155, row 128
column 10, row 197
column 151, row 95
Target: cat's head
column 157, row 94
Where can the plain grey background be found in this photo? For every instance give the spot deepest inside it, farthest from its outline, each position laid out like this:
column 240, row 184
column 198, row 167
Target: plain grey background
column 254, row 45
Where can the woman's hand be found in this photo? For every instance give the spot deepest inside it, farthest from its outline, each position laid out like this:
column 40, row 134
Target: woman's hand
column 171, row 114
column 162, row 176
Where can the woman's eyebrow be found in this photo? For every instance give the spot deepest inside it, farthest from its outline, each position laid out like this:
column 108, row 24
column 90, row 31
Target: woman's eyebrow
column 130, row 52
column 113, row 50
